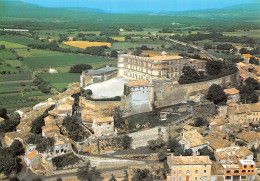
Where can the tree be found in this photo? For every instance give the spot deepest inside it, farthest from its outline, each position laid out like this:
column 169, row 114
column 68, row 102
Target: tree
column 114, row 54
column 254, row 60
column 152, row 144
column 189, row 75
column 16, row 149
column 214, row 67
column 162, row 155
column 126, row 142
column 125, row 176
column 59, row 179
column 79, row 68
column 112, row 178
column 200, row 122
column 87, row 173
column 3, row 113
column 140, row 175
column 252, row 83
column 173, row 144
column 118, row 119
column 205, row 151
column 216, row 94
column 248, row 94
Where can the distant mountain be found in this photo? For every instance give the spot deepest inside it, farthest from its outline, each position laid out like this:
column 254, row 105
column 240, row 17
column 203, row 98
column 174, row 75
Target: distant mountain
column 84, row 9
column 243, row 12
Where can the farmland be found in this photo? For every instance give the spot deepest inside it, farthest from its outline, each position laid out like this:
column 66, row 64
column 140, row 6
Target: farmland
column 86, row 44
column 11, row 45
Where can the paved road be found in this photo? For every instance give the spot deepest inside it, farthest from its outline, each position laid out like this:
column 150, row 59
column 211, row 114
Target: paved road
column 196, row 47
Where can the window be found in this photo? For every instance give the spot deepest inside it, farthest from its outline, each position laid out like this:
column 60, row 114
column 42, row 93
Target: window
column 245, row 166
column 173, row 179
column 249, row 170
column 252, row 166
column 243, row 177
column 228, row 177
column 228, row 171
column 243, row 171
column 205, row 165
column 174, row 172
column 196, row 171
column 236, row 171
column 187, row 172
column 180, row 179
column 252, row 170
column 196, row 178
column 205, row 171
column 180, row 172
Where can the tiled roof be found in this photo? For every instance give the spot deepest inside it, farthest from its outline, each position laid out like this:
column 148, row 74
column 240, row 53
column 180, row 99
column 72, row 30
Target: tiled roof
column 247, row 55
column 254, row 107
column 103, row 120
column 189, row 160
column 193, row 138
column 46, row 129
column 140, row 82
column 219, row 143
column 243, row 151
column 231, row 91
column 249, row 136
column 32, row 155
column 14, row 135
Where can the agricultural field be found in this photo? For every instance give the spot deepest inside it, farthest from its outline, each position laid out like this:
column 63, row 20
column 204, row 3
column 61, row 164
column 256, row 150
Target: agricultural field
column 21, row 40
column 11, row 45
column 86, row 44
column 63, row 60
column 60, row 80
column 251, row 33
column 127, row 45
column 37, row 53
column 5, row 55
column 118, row 38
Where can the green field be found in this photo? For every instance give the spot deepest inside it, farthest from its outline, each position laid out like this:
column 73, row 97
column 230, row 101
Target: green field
column 11, row 45
column 37, row 53
column 64, row 60
column 22, row 40
column 251, row 33
column 16, row 77
column 14, row 63
column 4, row 54
column 61, row 80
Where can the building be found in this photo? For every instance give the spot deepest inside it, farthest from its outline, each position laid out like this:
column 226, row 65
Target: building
column 219, row 143
column 32, row 160
column 140, row 96
column 10, row 137
column 246, row 57
column 164, row 66
column 49, row 130
column 232, row 154
column 62, row 145
column 99, row 75
column 237, row 115
column 192, row 140
column 251, row 138
column 244, row 170
column 232, row 95
column 189, row 168
column 103, row 126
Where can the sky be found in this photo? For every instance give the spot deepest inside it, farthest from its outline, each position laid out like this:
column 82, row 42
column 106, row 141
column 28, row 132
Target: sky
column 116, row 6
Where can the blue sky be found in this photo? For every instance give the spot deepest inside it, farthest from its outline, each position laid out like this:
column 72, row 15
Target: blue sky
column 141, row 5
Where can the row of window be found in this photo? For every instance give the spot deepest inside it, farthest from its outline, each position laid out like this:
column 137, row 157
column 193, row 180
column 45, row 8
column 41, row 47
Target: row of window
column 235, row 177
column 238, row 171
column 188, row 171
column 180, row 178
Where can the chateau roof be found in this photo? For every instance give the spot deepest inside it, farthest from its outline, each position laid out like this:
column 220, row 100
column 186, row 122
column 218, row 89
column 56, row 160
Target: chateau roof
column 101, row 71
column 190, row 160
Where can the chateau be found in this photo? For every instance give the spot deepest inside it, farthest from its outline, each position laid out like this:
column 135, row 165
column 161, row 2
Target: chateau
column 158, row 67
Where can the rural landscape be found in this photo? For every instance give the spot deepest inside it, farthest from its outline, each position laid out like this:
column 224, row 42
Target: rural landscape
column 89, row 93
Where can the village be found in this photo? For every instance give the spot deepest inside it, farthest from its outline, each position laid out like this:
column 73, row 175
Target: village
column 197, row 135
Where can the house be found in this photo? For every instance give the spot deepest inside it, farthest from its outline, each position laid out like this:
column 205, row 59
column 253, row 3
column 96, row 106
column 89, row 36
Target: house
column 140, row 96
column 2, row 120
column 246, row 57
column 103, row 126
column 251, row 138
column 189, row 168
column 47, row 131
column 238, row 115
column 11, row 136
column 219, row 143
column 53, row 71
column 32, row 160
column 244, row 170
column 64, row 108
column 192, row 140
column 62, row 145
column 232, row 95
column 232, row 154
column 254, row 112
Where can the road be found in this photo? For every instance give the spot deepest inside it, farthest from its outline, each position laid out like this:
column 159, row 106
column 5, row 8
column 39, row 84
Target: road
column 195, row 47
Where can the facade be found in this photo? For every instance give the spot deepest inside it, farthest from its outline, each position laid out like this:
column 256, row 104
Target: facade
column 140, row 96
column 232, row 95
column 244, row 170
column 156, row 67
column 99, row 75
column 103, row 126
column 189, row 168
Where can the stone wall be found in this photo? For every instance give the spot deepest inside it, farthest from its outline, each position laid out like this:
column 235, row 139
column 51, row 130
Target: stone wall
column 167, row 93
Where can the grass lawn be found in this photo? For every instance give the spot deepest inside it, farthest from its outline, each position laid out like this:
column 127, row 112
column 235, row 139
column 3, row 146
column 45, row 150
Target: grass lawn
column 64, row 60
column 4, row 54
column 11, row 45
column 61, row 80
